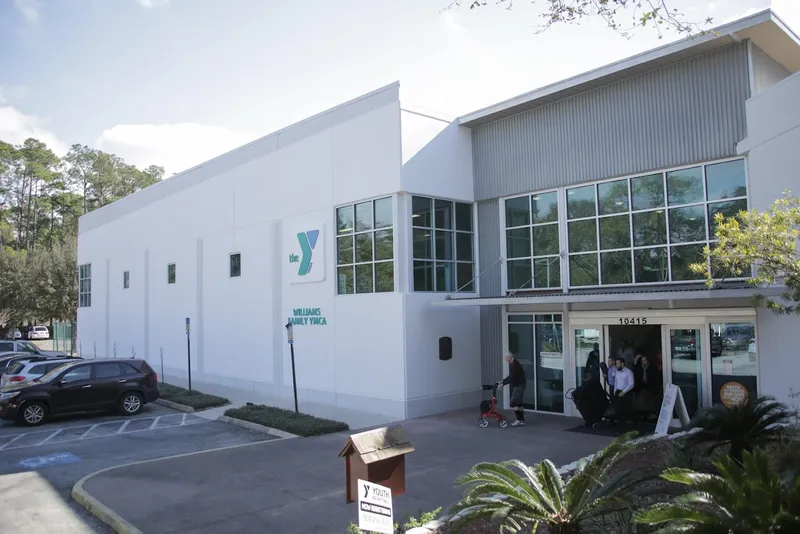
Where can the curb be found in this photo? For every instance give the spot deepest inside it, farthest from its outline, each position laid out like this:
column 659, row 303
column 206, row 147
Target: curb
column 100, row 510
column 256, row 427
column 109, row 516
column 175, row 405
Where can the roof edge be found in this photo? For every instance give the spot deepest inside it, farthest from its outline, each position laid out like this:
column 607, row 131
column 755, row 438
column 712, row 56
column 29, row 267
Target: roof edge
column 726, row 30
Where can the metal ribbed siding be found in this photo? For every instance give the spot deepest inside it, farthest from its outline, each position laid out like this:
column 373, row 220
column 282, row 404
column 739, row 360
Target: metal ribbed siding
column 766, row 71
column 687, row 112
column 491, row 316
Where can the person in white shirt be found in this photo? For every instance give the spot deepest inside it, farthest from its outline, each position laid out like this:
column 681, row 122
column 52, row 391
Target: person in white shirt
column 623, row 390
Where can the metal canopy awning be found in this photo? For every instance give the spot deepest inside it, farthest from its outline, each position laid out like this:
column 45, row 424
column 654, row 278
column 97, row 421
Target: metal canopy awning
column 620, row 295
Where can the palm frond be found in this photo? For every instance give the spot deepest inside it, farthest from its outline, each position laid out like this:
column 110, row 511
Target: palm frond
column 670, row 512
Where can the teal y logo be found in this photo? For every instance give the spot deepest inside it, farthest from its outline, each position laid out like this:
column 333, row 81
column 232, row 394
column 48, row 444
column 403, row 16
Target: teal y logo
column 307, row 241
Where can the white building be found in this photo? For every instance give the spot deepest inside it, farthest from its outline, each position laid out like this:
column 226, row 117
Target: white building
column 566, row 216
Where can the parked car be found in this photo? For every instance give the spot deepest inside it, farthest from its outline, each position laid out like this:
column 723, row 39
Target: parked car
column 27, row 346
column 26, row 370
column 9, row 359
column 39, row 332
column 14, row 333
column 82, row 386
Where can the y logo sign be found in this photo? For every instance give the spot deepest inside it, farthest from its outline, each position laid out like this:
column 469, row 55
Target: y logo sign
column 307, row 240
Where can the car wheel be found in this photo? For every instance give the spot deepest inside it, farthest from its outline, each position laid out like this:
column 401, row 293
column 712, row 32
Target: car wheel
column 131, row 403
column 33, row 413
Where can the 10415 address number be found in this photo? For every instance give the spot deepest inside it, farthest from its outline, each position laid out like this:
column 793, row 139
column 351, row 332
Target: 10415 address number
column 632, row 320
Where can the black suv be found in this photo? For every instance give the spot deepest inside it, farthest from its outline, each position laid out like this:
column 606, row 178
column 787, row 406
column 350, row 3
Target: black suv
column 83, row 386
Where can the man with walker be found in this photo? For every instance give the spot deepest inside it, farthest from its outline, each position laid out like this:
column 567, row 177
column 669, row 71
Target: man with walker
column 515, row 379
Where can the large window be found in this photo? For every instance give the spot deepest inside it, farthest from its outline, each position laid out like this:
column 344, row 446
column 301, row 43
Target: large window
column 537, row 343
column 649, row 229
column 85, row 285
column 365, row 247
column 532, row 242
column 443, row 245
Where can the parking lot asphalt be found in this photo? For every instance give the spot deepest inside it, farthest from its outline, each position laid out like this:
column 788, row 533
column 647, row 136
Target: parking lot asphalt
column 39, row 466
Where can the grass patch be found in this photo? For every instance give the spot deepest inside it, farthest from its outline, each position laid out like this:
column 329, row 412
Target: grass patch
column 195, row 399
column 286, row 420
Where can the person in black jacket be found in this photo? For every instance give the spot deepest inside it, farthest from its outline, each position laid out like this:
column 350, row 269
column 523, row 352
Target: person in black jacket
column 515, row 379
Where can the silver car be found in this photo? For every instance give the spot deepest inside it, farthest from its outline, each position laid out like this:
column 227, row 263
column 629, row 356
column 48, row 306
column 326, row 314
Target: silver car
column 27, row 370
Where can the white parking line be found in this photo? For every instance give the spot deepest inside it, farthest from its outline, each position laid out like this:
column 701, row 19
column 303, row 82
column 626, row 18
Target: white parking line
column 5, row 445
column 155, row 422
column 51, row 436
column 183, row 419
column 124, row 426
column 90, row 429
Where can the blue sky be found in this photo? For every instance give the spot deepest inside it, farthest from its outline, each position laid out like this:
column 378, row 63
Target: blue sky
column 176, row 82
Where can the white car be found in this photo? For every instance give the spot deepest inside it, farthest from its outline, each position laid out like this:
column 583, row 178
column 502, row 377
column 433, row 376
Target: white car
column 26, row 370
column 39, row 332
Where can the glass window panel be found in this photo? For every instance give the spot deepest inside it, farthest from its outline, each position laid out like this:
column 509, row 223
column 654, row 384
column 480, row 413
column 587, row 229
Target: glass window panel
column 583, row 270
column 464, row 277
column 383, row 212
column 421, row 212
column 519, row 274
column 615, row 232
column 581, row 202
column 685, row 186
column 344, row 220
column 734, row 358
column 463, row 247
column 423, row 276
column 520, row 318
column 583, row 235
column 687, row 224
column 463, row 217
column 726, row 180
column 346, row 280
column 344, row 250
column 363, row 247
column 728, row 209
column 445, row 276
column 719, row 271
column 615, row 267
column 444, row 214
column 647, row 192
column 557, row 317
column 613, row 197
column 384, row 277
column 545, row 207
column 423, row 244
column 549, row 368
column 544, row 317
column 518, row 243
column 651, row 265
column 363, row 216
column 547, row 272
column 384, row 245
column 364, row 276
column 682, row 257
column 518, row 211
column 444, row 245
column 545, row 240
column 649, row 228
column 235, row 265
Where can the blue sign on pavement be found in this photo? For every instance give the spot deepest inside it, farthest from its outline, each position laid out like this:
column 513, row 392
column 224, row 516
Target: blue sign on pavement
column 58, row 458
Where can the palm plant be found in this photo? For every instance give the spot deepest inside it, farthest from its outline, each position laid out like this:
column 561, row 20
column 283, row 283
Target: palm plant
column 743, row 499
column 517, row 496
column 755, row 423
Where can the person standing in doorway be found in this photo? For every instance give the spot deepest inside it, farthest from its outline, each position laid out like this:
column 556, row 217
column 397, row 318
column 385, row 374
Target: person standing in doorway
column 627, row 353
column 623, row 394
column 592, row 368
column 515, row 379
column 610, row 373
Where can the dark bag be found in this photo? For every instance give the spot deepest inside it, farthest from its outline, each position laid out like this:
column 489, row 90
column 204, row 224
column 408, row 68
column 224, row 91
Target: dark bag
column 591, row 401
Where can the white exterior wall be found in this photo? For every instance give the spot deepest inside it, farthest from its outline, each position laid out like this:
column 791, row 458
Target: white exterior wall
column 378, row 352
column 773, row 125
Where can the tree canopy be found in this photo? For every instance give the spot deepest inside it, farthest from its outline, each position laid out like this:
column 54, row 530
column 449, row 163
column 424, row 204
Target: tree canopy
column 41, row 198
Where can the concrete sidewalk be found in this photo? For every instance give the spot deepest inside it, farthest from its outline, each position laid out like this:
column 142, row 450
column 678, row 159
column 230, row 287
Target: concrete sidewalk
column 297, row 485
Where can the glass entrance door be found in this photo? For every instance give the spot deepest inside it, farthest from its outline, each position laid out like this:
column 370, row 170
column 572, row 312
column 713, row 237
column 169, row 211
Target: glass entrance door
column 686, row 363
column 589, row 351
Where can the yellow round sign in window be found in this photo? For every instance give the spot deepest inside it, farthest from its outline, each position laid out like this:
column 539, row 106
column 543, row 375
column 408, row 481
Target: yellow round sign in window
column 733, row 394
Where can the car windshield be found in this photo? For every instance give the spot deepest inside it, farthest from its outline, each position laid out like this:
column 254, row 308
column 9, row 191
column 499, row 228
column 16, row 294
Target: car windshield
column 50, row 375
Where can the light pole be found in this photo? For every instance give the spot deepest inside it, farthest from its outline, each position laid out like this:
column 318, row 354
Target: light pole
column 290, row 339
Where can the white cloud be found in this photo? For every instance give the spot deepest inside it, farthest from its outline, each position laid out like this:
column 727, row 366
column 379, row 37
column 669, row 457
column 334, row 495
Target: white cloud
column 16, row 127
column 12, row 92
column 152, row 3
column 176, row 147
column 28, row 8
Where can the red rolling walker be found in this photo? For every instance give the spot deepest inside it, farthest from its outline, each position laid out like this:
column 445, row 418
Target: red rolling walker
column 488, row 411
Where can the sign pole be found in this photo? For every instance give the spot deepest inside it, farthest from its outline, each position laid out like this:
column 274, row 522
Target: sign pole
column 189, row 353
column 290, row 339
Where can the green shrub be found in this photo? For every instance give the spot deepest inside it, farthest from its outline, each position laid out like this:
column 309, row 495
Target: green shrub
column 195, row 399
column 405, row 525
column 299, row 424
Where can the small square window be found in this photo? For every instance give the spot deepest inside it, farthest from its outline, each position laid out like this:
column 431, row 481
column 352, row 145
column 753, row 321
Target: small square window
column 236, row 265
column 171, row 273
column 126, row 280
